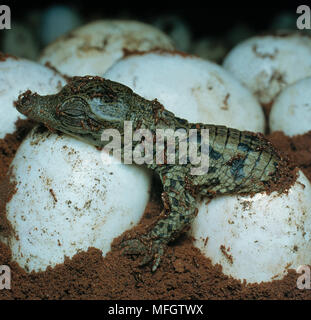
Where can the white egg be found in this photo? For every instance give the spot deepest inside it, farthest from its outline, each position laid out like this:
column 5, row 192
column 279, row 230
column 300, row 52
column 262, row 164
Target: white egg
column 177, row 29
column 192, row 88
column 209, row 48
column 16, row 76
column 56, row 20
column 20, row 41
column 68, row 200
column 94, row 47
column 291, row 111
column 267, row 64
column 257, row 238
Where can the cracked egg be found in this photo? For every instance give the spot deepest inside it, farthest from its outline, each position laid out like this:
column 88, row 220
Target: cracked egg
column 16, row 76
column 257, row 238
column 267, row 64
column 91, row 49
column 291, row 112
column 67, row 199
column 194, row 89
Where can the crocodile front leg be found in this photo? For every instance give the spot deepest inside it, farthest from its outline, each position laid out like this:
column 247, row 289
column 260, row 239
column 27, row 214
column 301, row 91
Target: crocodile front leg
column 179, row 211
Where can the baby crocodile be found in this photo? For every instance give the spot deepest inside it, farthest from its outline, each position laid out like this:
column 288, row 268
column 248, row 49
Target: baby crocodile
column 239, row 161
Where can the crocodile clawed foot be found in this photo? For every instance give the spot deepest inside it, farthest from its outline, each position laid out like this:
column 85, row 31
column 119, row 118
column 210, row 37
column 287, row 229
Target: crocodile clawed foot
column 150, row 250
column 133, row 246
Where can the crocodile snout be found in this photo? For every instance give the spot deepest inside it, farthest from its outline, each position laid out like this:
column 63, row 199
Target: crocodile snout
column 26, row 102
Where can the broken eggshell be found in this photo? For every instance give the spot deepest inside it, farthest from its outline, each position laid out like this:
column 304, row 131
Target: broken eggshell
column 257, row 238
column 67, row 199
column 192, row 88
column 94, row 47
column 267, row 64
column 16, row 76
column 291, row 112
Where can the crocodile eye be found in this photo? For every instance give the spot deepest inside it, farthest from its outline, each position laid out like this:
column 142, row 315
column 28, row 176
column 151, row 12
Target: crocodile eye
column 74, row 107
column 72, row 112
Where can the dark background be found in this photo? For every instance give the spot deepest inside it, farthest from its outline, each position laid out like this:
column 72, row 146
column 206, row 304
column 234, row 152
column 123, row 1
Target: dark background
column 212, row 17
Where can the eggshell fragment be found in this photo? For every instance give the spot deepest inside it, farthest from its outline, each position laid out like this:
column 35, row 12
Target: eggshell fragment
column 17, row 76
column 68, row 200
column 291, row 112
column 192, row 88
column 257, row 238
column 94, row 47
column 267, row 64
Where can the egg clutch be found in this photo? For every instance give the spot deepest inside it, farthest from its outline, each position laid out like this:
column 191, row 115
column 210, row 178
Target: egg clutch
column 66, row 200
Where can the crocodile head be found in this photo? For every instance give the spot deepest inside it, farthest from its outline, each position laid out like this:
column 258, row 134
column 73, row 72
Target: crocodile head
column 83, row 108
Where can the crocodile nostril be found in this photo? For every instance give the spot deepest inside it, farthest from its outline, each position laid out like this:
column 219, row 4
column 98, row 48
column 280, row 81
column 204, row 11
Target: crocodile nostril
column 25, row 100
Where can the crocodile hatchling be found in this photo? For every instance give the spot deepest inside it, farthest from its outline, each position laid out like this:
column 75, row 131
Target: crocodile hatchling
column 239, row 161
